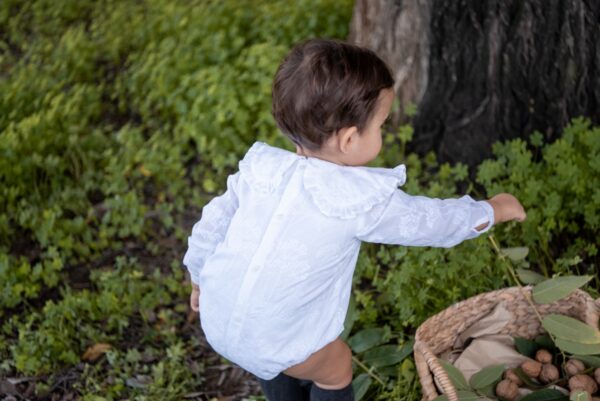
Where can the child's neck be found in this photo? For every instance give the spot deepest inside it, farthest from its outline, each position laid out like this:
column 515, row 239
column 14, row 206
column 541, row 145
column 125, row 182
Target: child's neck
column 323, row 154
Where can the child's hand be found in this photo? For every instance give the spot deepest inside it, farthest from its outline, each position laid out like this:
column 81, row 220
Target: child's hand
column 507, row 208
column 194, row 298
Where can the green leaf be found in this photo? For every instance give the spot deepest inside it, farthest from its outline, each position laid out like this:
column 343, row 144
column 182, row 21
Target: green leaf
column 410, row 109
column 536, row 139
column 570, row 329
column 486, row 376
column 407, row 370
column 360, row 385
column 488, row 391
column 516, row 253
column 557, row 288
column 526, row 347
column 388, row 371
column 385, row 355
column 526, row 379
column 407, row 348
column 589, row 361
column 467, row 396
column 366, row 339
column 546, row 394
column 529, row 277
column 577, row 348
column 455, row 375
column 545, row 341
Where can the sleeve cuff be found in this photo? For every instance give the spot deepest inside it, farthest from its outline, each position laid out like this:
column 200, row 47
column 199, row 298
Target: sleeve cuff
column 486, row 215
column 193, row 263
column 195, row 279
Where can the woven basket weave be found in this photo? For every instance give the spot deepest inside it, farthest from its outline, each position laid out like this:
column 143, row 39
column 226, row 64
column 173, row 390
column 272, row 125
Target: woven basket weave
column 438, row 334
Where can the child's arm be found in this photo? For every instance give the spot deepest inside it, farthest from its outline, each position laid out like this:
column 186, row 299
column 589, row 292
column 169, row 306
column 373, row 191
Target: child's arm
column 210, row 230
column 421, row 221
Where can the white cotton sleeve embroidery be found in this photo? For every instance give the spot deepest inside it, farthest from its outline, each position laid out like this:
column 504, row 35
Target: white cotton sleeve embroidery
column 421, row 221
column 210, row 230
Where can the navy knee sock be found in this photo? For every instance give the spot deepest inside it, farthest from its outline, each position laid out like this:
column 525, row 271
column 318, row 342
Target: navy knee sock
column 320, row 394
column 286, row 388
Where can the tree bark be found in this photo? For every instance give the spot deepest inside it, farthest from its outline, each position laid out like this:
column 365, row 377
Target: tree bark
column 486, row 70
column 398, row 32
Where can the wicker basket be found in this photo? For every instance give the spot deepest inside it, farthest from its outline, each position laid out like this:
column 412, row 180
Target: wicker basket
column 438, row 333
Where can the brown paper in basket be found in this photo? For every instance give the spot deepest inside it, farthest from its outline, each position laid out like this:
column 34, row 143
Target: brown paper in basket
column 486, row 347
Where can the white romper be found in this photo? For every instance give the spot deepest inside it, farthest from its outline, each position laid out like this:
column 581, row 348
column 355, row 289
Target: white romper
column 275, row 254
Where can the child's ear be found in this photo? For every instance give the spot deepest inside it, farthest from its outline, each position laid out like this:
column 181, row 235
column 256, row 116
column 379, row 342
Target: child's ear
column 347, row 137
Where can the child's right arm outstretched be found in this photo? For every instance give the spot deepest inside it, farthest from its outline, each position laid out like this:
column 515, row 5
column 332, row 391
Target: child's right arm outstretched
column 421, row 221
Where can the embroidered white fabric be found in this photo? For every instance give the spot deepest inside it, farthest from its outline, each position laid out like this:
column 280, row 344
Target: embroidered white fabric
column 275, row 254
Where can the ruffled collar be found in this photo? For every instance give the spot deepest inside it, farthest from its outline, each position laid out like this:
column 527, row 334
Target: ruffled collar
column 338, row 191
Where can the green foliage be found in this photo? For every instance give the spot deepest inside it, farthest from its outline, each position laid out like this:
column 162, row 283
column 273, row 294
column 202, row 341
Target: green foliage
column 559, row 186
column 61, row 331
column 102, row 130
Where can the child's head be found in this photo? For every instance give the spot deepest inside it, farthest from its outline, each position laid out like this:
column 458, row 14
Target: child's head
column 326, row 89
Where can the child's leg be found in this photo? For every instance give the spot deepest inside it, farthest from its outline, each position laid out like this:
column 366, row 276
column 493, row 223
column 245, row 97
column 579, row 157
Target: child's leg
column 330, row 369
column 286, row 388
column 342, row 394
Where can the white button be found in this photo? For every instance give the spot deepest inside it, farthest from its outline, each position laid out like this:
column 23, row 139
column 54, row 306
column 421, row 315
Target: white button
column 279, row 216
column 256, row 268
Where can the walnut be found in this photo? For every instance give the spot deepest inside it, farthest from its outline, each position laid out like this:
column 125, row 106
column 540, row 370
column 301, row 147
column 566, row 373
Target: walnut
column 597, row 375
column 512, row 376
column 531, row 368
column 507, row 389
column 543, row 356
column 549, row 373
column 574, row 367
column 583, row 382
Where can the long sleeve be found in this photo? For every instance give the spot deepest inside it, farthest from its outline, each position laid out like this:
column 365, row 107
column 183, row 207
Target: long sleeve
column 421, row 221
column 210, row 230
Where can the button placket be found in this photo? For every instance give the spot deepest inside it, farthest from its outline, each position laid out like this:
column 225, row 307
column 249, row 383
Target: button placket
column 257, row 262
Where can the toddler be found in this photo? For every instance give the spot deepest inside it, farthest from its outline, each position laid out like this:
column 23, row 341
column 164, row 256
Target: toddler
column 271, row 260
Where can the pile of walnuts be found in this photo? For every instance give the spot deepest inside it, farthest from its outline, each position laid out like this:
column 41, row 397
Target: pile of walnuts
column 542, row 370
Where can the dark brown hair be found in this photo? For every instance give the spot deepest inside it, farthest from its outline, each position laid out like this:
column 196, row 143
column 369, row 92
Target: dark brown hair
column 324, row 85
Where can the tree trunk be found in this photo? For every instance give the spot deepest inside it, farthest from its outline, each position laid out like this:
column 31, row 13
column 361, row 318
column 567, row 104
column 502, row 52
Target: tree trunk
column 486, row 70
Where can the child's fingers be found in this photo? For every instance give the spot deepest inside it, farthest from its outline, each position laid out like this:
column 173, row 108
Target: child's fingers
column 521, row 216
column 194, row 302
